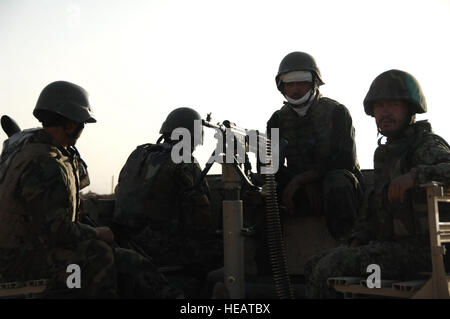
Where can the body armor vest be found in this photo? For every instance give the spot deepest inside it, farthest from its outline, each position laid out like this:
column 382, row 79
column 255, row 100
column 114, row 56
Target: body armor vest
column 392, row 160
column 308, row 136
column 13, row 215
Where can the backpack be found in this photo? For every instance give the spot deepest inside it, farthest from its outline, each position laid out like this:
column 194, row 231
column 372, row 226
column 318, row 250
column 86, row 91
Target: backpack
column 135, row 182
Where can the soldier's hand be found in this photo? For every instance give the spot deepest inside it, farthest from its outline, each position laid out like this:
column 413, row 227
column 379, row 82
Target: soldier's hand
column 105, row 234
column 295, row 183
column 398, row 188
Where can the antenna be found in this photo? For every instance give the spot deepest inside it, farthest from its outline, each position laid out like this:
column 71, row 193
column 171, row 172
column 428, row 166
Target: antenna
column 112, row 184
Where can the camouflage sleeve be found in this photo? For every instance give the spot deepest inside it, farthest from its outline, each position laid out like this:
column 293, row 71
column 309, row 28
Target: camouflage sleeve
column 431, row 161
column 44, row 191
column 195, row 205
column 343, row 146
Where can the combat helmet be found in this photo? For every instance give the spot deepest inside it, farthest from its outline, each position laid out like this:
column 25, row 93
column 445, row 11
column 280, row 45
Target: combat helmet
column 298, row 61
column 65, row 99
column 182, row 117
column 395, row 85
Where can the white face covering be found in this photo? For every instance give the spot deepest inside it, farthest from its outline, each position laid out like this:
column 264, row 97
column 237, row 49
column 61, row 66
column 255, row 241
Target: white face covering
column 301, row 100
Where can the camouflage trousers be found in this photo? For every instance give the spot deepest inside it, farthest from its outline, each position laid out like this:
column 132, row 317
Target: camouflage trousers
column 342, row 197
column 193, row 258
column 105, row 272
column 400, row 260
column 172, row 247
column 337, row 196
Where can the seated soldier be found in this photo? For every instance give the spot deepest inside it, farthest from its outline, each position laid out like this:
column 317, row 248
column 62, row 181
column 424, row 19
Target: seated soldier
column 393, row 228
column 322, row 175
column 41, row 174
column 163, row 208
column 317, row 140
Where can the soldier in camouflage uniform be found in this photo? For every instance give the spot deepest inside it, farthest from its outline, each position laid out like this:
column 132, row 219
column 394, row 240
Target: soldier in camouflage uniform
column 162, row 209
column 392, row 230
column 41, row 174
column 322, row 176
column 317, row 139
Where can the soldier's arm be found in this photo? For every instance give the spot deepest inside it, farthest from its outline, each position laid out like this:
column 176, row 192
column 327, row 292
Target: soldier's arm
column 431, row 161
column 284, row 175
column 272, row 122
column 343, row 147
column 44, row 191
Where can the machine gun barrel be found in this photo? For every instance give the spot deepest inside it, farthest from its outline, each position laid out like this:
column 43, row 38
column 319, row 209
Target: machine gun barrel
column 212, row 125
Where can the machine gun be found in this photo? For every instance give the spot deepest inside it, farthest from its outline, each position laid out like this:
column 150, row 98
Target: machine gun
column 233, row 143
column 231, row 151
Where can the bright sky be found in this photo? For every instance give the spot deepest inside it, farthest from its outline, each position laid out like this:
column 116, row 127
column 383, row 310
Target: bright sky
column 141, row 59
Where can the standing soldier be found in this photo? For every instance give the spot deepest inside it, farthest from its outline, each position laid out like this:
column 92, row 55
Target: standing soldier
column 40, row 233
column 322, row 176
column 162, row 209
column 392, row 230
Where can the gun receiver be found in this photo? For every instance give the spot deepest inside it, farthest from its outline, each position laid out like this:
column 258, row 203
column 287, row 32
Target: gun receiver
column 233, row 144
